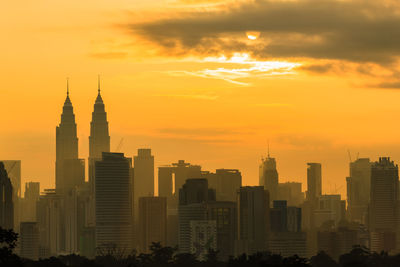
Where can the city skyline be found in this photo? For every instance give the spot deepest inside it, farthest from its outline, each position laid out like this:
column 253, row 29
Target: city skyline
column 316, row 108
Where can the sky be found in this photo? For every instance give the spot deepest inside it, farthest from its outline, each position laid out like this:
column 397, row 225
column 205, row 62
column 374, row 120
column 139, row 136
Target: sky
column 211, row 82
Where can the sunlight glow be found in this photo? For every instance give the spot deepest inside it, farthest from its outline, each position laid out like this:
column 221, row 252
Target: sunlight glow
column 253, row 35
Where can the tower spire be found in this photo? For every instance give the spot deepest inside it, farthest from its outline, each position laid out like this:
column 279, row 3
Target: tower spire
column 67, row 86
column 268, row 148
column 98, row 83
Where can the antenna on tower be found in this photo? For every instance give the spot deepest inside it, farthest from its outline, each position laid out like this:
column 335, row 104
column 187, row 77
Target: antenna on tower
column 268, row 147
column 67, row 86
column 98, row 83
column 348, row 152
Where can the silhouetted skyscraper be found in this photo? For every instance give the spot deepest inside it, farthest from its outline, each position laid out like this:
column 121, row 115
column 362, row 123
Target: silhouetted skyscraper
column 13, row 168
column 143, row 176
column 253, row 219
column 66, row 142
column 226, row 182
column 114, row 225
column 6, row 197
column 269, row 177
column 314, row 181
column 384, row 195
column 32, row 194
column 29, row 240
column 358, row 189
column 99, row 139
column 152, row 222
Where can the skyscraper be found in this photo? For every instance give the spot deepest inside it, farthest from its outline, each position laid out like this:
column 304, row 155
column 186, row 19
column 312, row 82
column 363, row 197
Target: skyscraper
column 253, row 219
column 29, row 240
column 384, row 195
column 143, row 176
column 269, row 177
column 13, row 168
column 314, row 181
column 32, row 194
column 358, row 189
column 113, row 202
column 6, row 204
column 99, row 139
column 152, row 222
column 66, row 142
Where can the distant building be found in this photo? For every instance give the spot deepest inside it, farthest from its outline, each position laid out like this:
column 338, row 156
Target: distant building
column 224, row 213
column 288, row 244
column 203, row 237
column 278, row 216
column 50, row 219
column 269, row 177
column 314, row 181
column 329, row 208
column 13, row 168
column 358, row 190
column 29, row 240
column 152, row 222
column 114, row 225
column 6, row 195
column 253, row 219
column 226, row 182
column 337, row 242
column 291, row 192
column 31, row 196
column 143, row 176
column 193, row 198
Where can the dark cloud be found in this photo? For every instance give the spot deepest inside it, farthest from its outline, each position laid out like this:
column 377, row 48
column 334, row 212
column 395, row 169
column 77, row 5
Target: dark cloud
column 358, row 31
column 317, row 68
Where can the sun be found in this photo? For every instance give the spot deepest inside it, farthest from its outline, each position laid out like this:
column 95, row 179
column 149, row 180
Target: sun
column 253, row 35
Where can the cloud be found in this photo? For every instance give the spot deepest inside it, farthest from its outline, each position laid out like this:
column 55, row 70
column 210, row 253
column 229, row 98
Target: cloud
column 358, row 31
column 109, row 55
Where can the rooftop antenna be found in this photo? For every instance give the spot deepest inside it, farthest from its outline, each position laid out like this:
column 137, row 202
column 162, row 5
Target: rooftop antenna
column 268, row 148
column 348, row 152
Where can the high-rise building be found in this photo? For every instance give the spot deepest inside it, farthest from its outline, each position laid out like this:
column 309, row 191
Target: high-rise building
column 152, row 222
column 314, row 181
column 226, row 182
column 224, row 213
column 288, row 244
column 13, row 168
column 50, row 219
column 278, row 216
column 253, row 219
column 66, row 144
column 269, row 177
column 29, row 240
column 99, row 139
column 6, row 196
column 113, row 195
column 193, row 198
column 383, row 213
column 143, row 176
column 337, row 242
column 329, row 208
column 358, row 189
column 291, row 192
column 31, row 196
column 203, row 237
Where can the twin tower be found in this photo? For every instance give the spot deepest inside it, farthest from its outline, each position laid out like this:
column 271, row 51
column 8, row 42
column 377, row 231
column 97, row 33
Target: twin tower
column 70, row 170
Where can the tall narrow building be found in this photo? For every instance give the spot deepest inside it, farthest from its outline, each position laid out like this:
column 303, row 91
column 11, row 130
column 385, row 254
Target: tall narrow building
column 66, row 143
column 99, row 139
column 269, row 177
column 143, row 177
column 6, row 204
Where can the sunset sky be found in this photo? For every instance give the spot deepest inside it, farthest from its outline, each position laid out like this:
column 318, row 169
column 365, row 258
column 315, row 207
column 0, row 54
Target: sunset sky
column 206, row 81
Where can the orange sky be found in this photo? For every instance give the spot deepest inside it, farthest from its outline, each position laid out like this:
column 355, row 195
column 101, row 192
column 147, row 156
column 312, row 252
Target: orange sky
column 178, row 90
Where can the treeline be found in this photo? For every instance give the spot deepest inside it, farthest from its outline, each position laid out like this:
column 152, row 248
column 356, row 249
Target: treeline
column 166, row 256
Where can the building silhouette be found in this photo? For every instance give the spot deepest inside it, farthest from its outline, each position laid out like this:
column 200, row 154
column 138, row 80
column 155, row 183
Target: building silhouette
column 383, row 214
column 99, row 139
column 269, row 177
column 358, row 190
column 113, row 195
column 6, row 195
column 152, row 222
column 314, row 181
column 66, row 144
column 143, row 176
column 31, row 196
column 29, row 240
column 226, row 182
column 13, row 168
column 253, row 219
column 203, row 238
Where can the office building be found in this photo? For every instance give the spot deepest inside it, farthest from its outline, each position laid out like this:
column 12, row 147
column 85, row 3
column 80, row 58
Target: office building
column 113, row 202
column 314, row 181
column 6, row 195
column 28, row 205
column 226, row 182
column 291, row 192
column 152, row 222
column 143, row 176
column 29, row 240
column 203, row 237
column 358, row 190
column 253, row 219
column 269, row 177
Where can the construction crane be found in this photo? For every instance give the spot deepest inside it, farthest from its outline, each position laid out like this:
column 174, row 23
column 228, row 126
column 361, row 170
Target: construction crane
column 119, row 145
